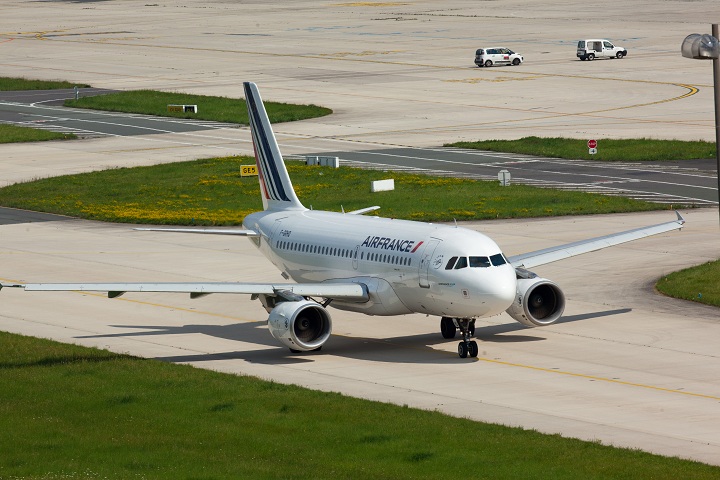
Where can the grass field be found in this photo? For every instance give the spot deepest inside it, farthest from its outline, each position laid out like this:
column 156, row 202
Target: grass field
column 15, row 134
column 221, row 109
column 212, row 192
column 69, row 412
column 699, row 284
column 11, row 83
column 625, row 150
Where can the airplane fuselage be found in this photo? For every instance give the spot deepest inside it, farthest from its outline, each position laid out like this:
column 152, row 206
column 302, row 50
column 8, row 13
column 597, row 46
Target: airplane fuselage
column 408, row 267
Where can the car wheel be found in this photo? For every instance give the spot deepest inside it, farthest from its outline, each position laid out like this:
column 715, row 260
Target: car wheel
column 620, row 54
column 591, row 57
column 488, row 63
column 516, row 62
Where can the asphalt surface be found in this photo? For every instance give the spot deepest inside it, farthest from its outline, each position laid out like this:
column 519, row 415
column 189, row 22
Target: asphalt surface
column 43, row 109
column 674, row 183
column 679, row 183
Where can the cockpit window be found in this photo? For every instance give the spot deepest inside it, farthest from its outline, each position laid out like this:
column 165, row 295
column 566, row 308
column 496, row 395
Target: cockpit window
column 451, row 263
column 498, row 259
column 479, row 262
column 456, row 263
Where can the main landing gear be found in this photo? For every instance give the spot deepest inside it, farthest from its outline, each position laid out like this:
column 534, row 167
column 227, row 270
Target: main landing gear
column 449, row 327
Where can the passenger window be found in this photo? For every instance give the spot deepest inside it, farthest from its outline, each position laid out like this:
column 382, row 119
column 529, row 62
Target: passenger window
column 451, row 263
column 461, row 263
column 479, row 262
column 498, row 259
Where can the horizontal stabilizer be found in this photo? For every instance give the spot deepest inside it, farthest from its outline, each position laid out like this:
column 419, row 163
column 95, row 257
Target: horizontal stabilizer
column 207, row 231
column 364, row 210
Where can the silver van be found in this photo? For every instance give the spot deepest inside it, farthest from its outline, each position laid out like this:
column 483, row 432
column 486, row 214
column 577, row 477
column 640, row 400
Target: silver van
column 487, row 57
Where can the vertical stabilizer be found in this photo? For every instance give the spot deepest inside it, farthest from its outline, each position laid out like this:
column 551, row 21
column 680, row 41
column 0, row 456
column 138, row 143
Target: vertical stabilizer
column 275, row 186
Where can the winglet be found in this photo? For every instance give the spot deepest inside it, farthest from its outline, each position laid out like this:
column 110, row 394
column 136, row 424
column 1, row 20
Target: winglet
column 680, row 219
column 276, row 189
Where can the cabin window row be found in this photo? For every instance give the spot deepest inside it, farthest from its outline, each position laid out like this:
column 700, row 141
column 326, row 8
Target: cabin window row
column 317, row 249
column 456, row 263
column 385, row 258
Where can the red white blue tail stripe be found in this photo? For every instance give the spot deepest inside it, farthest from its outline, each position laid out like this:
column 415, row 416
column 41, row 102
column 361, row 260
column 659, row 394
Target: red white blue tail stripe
column 275, row 186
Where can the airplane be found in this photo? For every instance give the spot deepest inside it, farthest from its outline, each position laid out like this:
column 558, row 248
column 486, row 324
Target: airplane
column 372, row 265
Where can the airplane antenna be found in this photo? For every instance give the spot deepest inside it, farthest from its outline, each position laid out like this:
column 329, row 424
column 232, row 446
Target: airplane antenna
column 455, row 219
column 342, row 208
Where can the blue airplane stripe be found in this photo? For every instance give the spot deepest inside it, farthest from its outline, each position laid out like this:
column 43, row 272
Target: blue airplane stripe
column 273, row 180
column 262, row 146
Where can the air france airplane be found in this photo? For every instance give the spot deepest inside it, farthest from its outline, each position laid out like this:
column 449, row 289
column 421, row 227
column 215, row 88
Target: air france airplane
column 372, row 265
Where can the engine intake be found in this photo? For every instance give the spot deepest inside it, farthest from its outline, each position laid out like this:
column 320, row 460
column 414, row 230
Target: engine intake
column 300, row 325
column 538, row 302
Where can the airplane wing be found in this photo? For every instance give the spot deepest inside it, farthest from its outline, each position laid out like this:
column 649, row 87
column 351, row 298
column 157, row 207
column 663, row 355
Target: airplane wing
column 553, row 254
column 345, row 291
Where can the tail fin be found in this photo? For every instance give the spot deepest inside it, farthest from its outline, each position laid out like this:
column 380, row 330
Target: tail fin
column 275, row 186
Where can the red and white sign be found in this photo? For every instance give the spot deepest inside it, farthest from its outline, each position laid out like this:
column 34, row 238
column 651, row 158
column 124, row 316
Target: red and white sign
column 592, row 143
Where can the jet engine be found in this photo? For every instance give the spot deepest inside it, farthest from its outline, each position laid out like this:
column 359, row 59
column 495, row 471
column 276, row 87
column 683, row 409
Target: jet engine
column 538, row 302
column 301, row 325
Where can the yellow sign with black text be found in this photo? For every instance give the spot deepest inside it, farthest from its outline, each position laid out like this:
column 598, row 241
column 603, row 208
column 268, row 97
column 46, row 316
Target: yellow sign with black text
column 248, row 170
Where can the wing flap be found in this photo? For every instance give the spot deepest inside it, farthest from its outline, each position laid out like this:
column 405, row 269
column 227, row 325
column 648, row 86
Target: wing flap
column 548, row 255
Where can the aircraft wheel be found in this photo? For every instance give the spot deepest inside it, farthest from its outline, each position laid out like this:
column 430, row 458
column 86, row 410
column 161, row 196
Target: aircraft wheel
column 473, row 349
column 447, row 327
column 462, row 350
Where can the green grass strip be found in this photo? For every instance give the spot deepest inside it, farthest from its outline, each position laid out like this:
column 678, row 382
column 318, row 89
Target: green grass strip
column 212, row 192
column 16, row 83
column 14, row 134
column 626, row 150
column 73, row 412
column 699, row 284
column 221, row 109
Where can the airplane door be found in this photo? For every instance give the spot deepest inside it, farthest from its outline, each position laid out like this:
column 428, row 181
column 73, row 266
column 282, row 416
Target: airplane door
column 273, row 232
column 355, row 257
column 425, row 263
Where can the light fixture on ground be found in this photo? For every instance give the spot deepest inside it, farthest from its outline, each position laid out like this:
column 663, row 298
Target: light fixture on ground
column 707, row 47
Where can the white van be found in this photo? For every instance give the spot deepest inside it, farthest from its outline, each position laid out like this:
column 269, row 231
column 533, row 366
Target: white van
column 599, row 48
column 487, row 57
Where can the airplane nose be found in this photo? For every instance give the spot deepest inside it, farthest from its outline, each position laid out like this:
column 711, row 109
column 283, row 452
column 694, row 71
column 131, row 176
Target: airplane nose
column 504, row 287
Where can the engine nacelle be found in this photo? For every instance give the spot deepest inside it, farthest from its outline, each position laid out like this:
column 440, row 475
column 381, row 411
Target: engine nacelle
column 538, row 302
column 300, row 325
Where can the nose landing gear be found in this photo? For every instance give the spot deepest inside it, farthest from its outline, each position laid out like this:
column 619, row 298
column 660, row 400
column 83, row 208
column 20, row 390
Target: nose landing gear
column 449, row 327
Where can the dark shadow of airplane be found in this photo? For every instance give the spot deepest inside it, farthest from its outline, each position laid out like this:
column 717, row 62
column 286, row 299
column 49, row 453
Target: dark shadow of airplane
column 418, row 349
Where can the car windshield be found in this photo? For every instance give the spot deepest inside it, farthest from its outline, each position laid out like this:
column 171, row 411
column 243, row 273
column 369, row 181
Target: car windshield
column 581, row 44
